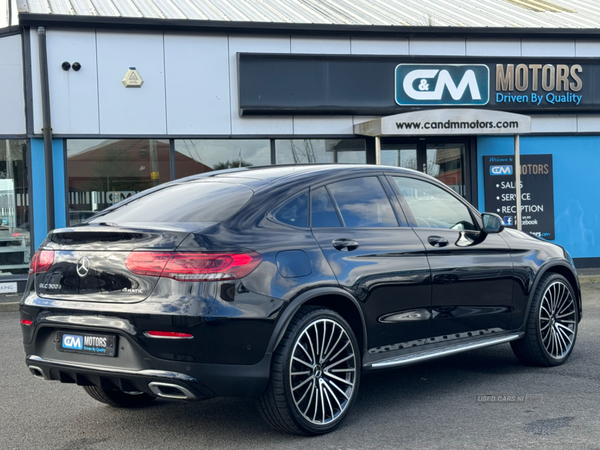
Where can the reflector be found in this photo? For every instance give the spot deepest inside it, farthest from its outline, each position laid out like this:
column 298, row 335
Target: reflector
column 168, row 335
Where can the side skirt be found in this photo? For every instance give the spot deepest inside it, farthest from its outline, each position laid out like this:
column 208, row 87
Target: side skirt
column 439, row 352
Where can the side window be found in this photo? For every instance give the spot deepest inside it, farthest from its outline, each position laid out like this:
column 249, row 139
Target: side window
column 322, row 210
column 432, row 207
column 294, row 211
column 363, row 203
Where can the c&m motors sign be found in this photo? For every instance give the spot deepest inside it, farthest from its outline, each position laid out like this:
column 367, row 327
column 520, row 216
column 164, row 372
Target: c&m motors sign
column 381, row 85
column 442, row 84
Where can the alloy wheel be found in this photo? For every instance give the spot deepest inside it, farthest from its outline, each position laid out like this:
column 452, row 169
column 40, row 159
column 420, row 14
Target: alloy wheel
column 323, row 371
column 557, row 319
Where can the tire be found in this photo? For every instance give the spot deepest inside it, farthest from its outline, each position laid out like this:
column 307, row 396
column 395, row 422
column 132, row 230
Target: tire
column 330, row 373
column 119, row 399
column 552, row 323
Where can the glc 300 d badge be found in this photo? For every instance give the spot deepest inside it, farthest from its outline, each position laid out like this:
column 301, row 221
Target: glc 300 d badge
column 83, row 266
column 442, row 84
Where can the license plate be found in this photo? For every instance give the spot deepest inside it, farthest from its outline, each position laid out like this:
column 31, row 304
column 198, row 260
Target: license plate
column 90, row 344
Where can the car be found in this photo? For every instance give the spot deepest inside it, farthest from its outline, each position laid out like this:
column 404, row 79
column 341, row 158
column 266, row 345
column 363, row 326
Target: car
column 15, row 250
column 285, row 283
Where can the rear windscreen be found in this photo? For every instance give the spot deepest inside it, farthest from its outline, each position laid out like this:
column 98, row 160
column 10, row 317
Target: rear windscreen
column 188, row 202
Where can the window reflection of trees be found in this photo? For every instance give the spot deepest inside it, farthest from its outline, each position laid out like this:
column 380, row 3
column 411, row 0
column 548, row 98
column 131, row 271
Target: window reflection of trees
column 315, row 151
column 218, row 154
column 303, row 154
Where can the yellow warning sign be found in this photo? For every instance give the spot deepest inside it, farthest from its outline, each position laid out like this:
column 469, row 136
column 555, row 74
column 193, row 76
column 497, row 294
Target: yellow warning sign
column 132, row 78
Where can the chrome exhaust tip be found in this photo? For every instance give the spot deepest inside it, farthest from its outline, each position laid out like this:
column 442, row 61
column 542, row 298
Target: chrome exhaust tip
column 37, row 372
column 169, row 390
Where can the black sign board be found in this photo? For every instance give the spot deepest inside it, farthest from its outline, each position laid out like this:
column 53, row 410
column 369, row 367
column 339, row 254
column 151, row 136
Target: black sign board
column 537, row 192
column 387, row 85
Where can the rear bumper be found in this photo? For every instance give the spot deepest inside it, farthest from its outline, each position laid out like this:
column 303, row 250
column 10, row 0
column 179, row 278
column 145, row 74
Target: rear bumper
column 202, row 381
column 226, row 357
column 121, row 379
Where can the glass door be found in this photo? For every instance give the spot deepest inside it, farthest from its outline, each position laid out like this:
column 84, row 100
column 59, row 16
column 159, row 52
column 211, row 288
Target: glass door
column 445, row 160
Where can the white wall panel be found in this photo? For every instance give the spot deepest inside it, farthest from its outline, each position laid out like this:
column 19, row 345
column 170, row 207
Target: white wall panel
column 588, row 124
column 12, row 93
column 249, row 125
column 12, row 52
column 362, row 46
column 197, row 84
column 532, row 47
column 307, row 125
column 587, row 48
column 446, row 47
column 131, row 110
column 554, row 124
column 320, row 45
column 493, row 47
column 73, row 95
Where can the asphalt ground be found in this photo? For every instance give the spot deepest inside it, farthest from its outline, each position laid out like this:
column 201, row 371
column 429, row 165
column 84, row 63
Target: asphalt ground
column 435, row 405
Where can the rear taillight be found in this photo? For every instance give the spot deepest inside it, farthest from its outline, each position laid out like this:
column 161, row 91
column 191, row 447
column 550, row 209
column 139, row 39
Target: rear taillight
column 147, row 263
column 210, row 266
column 168, row 335
column 42, row 260
column 26, row 322
column 193, row 266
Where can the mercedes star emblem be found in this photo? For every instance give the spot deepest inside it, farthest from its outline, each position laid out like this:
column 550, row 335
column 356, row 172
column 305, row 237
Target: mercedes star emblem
column 83, row 266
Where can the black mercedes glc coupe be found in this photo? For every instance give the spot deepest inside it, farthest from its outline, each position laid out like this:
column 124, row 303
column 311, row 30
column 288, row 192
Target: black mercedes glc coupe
column 285, row 283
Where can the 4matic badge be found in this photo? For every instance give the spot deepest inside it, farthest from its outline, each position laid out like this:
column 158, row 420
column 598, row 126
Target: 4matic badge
column 133, row 291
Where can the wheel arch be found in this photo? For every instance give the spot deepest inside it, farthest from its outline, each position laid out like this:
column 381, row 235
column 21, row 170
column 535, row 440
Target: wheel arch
column 561, row 268
column 333, row 298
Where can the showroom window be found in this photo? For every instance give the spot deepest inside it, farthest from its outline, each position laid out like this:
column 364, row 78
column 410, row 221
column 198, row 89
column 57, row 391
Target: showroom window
column 103, row 172
column 15, row 248
column 194, row 156
column 314, row 151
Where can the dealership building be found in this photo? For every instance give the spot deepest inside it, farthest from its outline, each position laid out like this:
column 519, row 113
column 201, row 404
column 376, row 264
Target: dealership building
column 105, row 98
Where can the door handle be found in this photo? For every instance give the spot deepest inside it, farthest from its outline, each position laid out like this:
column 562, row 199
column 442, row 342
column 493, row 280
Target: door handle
column 344, row 244
column 437, row 241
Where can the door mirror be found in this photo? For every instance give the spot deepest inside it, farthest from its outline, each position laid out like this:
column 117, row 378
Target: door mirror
column 492, row 223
